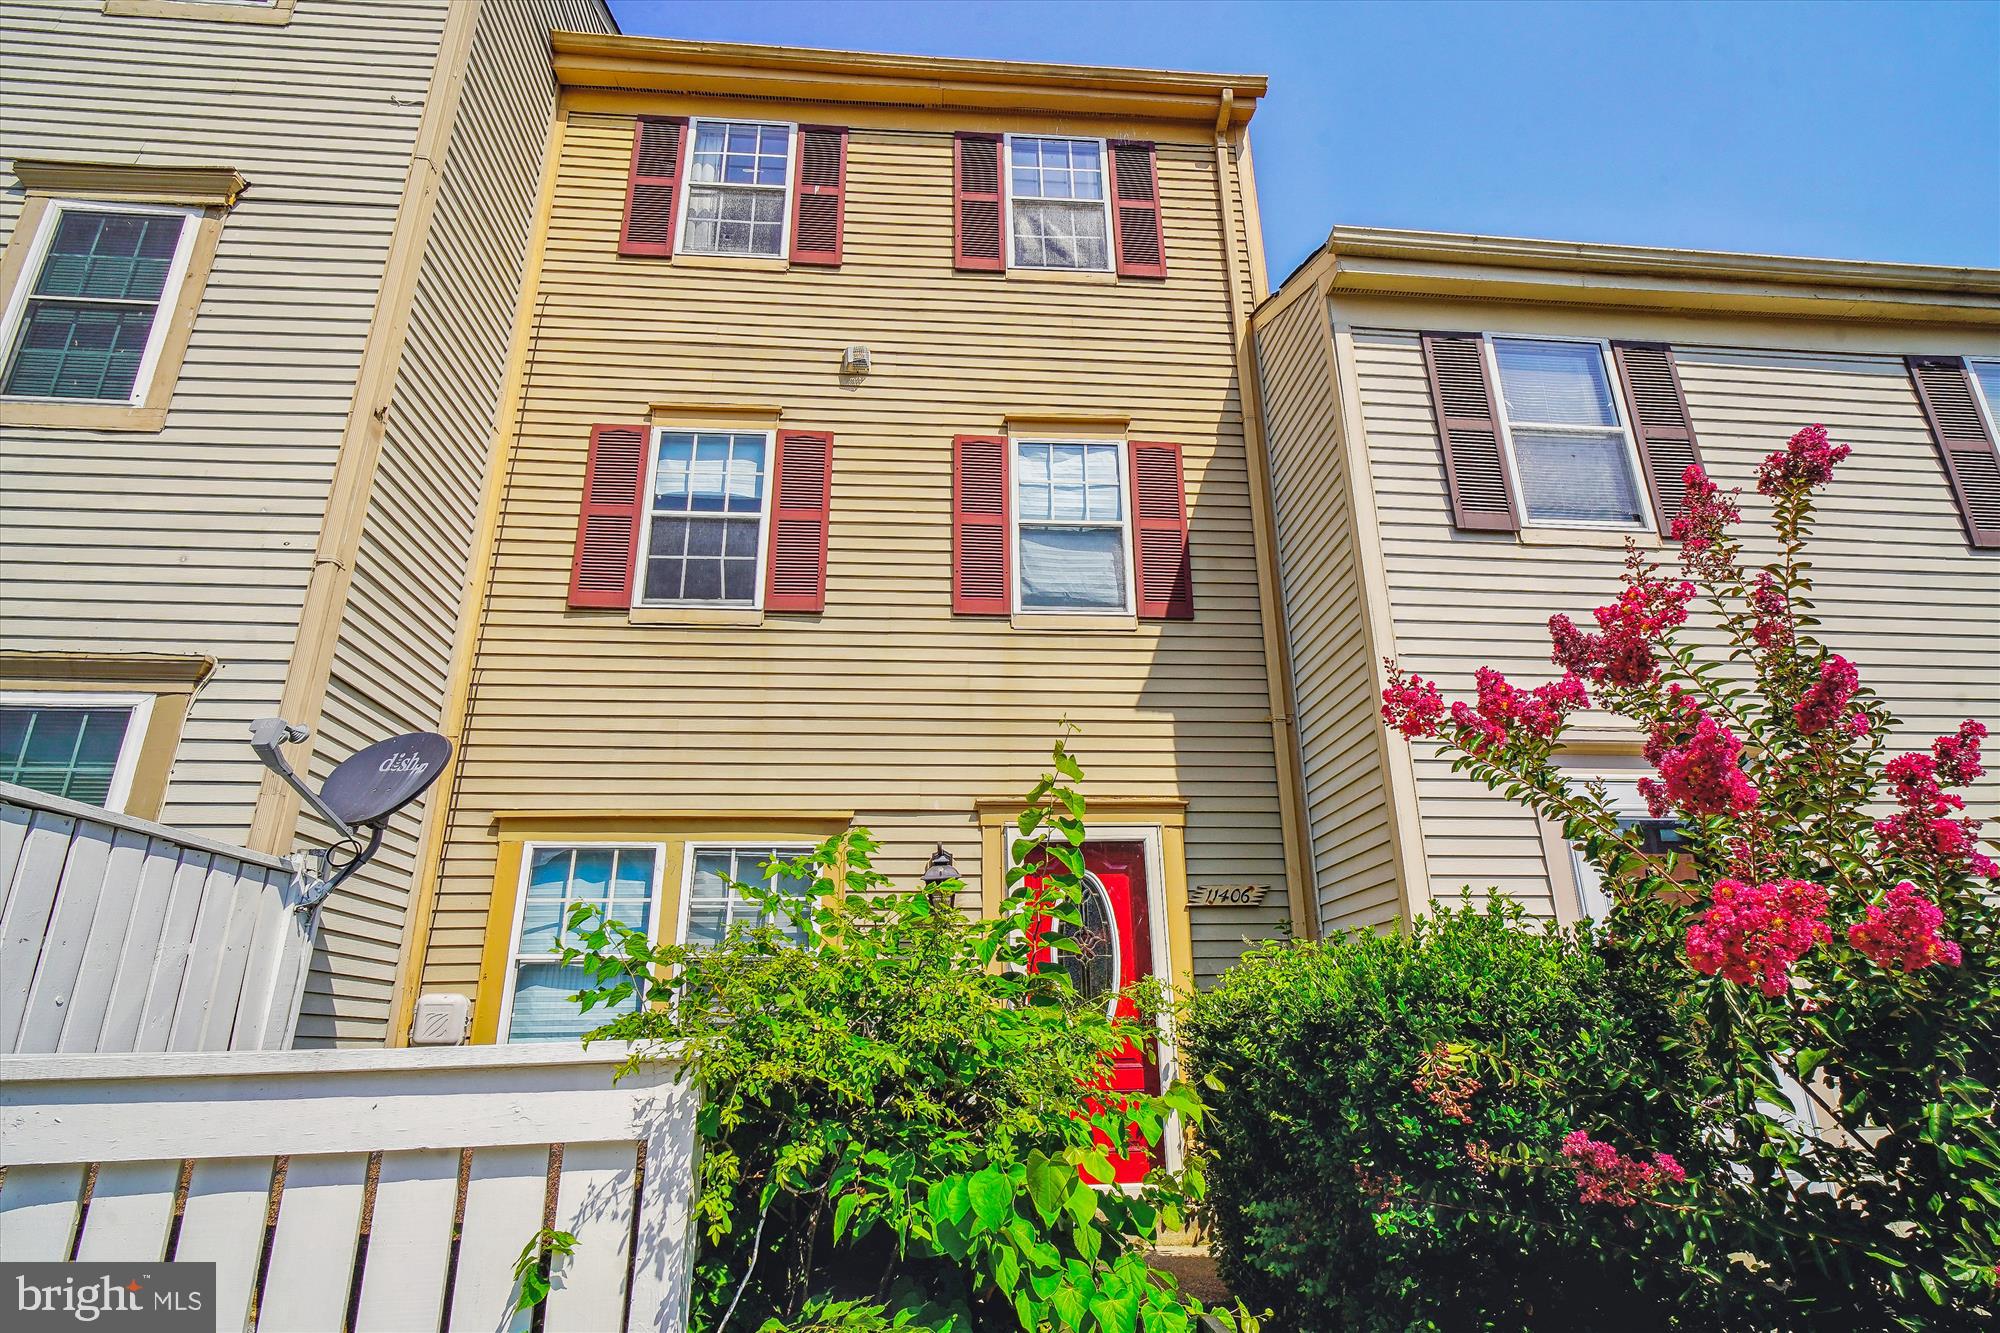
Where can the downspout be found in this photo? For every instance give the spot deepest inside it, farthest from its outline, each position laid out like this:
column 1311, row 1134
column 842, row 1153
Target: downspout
column 1300, row 892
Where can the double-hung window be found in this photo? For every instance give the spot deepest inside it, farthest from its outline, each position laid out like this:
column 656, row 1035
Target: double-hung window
column 84, row 747
column 739, row 179
column 1986, row 374
column 1058, row 209
column 88, row 323
column 624, row 881
column 1573, row 453
column 705, row 517
column 715, row 902
column 1072, row 527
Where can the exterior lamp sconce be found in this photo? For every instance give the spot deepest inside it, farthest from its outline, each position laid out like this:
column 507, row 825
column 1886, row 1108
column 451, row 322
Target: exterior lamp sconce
column 855, row 361
column 940, row 871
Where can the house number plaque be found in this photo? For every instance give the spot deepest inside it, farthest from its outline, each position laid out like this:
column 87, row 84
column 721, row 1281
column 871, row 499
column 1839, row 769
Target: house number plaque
column 1227, row 895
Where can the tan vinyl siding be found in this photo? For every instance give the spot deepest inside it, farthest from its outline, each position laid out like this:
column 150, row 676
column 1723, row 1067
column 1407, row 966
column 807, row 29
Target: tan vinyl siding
column 198, row 539
column 1898, row 591
column 885, row 704
column 1347, row 801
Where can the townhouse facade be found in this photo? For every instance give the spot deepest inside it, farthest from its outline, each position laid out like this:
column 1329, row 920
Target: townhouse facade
column 1464, row 432
column 873, row 420
column 262, row 262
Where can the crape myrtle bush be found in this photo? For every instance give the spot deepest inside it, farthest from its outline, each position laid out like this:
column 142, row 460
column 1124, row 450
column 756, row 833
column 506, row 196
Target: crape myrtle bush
column 1357, row 1148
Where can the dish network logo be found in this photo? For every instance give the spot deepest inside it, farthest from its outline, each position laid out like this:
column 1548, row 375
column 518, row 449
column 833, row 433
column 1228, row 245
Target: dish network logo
column 88, row 1300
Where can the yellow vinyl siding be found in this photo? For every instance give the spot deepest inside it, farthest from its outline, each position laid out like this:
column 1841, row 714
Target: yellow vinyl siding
column 886, row 704
column 1347, row 801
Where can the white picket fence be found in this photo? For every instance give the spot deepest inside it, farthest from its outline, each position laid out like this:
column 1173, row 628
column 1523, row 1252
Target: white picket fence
column 379, row 1242
column 117, row 934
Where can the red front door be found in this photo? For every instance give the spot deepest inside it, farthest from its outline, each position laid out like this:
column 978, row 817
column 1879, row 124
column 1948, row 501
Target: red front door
column 1116, row 952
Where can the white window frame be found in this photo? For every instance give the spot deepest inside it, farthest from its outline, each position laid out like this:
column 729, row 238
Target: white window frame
column 163, row 311
column 1987, row 406
column 1007, row 205
column 1126, row 501
column 785, row 191
column 514, row 955
column 642, row 554
column 134, row 741
column 1490, row 351
column 787, row 847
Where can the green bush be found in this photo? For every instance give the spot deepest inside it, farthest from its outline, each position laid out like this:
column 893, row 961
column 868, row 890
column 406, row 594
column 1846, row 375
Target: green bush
column 1359, row 1089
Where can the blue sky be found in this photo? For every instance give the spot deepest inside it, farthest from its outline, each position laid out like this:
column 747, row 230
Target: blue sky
column 1854, row 131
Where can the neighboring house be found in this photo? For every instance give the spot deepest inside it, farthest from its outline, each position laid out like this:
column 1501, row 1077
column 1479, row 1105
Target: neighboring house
column 262, row 259
column 1574, row 384
column 875, row 416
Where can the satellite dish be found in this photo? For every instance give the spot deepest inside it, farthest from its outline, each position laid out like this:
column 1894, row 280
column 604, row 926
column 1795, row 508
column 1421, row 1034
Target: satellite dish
column 372, row 784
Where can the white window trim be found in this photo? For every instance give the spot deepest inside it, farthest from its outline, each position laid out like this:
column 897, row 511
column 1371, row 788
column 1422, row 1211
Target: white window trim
column 163, row 310
column 1986, row 405
column 1491, row 352
column 514, row 955
column 1007, row 205
column 786, row 190
column 790, row 847
column 642, row 554
column 128, row 748
column 1126, row 501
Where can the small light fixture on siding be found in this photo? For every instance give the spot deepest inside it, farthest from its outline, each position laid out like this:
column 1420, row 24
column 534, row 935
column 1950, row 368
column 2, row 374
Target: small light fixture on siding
column 854, row 360
column 940, row 871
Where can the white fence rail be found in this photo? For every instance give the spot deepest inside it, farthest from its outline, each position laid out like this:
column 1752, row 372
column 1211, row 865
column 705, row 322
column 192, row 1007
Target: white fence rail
column 117, row 934
column 397, row 1187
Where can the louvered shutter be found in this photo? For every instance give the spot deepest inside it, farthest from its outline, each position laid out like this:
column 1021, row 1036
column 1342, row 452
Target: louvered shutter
column 1661, row 423
column 979, row 526
column 1160, row 533
column 795, row 567
column 1475, row 465
column 818, row 213
column 975, row 181
column 1135, row 211
column 653, row 193
column 1964, row 442
column 607, row 525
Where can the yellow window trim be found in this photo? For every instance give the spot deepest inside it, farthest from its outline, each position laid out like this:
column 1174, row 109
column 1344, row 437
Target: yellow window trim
column 696, row 415
column 132, row 183
column 1108, row 425
column 172, row 681
column 277, row 14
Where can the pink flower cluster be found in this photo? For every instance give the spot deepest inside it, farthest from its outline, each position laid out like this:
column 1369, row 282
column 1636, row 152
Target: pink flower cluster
column 1699, row 761
column 1622, row 654
column 1928, row 829
column 1605, row 1175
column 1446, row 1083
column 1806, row 461
column 1411, row 704
column 1901, row 932
column 1751, row 934
column 1825, row 701
column 1702, row 527
column 1771, row 610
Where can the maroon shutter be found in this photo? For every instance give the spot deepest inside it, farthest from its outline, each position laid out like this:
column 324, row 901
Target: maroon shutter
column 817, row 216
column 607, row 526
column 653, row 192
column 795, row 567
column 1475, row 465
column 979, row 526
column 975, row 181
column 1135, row 210
column 1964, row 442
column 1160, row 533
column 1660, row 422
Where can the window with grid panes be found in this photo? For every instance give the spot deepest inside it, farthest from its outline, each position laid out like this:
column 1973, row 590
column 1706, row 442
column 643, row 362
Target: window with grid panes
column 739, row 174
column 715, row 903
column 64, row 750
column 618, row 879
column 1070, row 518
column 1057, row 204
column 705, row 520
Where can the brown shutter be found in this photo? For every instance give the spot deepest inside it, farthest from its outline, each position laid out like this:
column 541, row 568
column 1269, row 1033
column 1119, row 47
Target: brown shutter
column 1660, row 422
column 1135, row 211
column 1964, row 442
column 979, row 526
column 1475, row 464
column 607, row 526
column 1160, row 532
column 795, row 568
column 653, row 193
column 975, row 180
column 817, row 216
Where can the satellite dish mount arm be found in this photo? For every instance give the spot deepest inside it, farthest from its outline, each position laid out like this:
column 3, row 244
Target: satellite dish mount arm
column 267, row 734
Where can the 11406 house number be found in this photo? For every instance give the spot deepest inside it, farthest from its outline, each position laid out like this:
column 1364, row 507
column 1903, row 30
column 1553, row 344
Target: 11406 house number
column 1227, row 895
